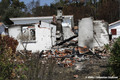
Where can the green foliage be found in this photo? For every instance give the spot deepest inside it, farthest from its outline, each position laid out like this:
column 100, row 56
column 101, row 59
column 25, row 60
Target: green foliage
column 11, row 8
column 7, row 49
column 11, row 63
column 115, row 59
column 107, row 10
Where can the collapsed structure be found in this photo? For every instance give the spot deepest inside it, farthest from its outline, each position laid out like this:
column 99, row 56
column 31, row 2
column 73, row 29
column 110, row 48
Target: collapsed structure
column 36, row 34
column 54, row 38
column 92, row 33
column 39, row 33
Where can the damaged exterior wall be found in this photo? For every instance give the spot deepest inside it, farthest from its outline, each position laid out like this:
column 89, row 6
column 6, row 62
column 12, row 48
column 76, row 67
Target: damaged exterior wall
column 85, row 32
column 92, row 33
column 67, row 32
column 100, row 33
column 44, row 34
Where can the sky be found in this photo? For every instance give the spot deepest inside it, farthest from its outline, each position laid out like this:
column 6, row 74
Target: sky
column 42, row 2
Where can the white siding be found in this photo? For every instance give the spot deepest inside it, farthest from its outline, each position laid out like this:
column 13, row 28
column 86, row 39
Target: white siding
column 117, row 27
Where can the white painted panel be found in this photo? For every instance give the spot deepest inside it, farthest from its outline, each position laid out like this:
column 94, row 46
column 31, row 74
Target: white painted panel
column 101, row 37
column 53, row 30
column 67, row 32
column 14, row 31
column 43, row 38
column 86, row 32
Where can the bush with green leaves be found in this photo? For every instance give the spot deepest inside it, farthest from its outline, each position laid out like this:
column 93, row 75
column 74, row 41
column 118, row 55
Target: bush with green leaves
column 115, row 59
column 7, row 55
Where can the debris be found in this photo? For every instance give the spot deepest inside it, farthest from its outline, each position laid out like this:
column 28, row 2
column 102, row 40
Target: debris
column 67, row 57
column 75, row 76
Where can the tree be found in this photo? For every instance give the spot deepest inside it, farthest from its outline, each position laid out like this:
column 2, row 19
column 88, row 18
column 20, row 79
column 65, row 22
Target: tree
column 108, row 10
column 11, row 8
column 7, row 55
column 4, row 4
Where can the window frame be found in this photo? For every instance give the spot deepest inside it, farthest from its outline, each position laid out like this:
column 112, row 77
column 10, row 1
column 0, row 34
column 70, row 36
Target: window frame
column 29, row 33
column 114, row 31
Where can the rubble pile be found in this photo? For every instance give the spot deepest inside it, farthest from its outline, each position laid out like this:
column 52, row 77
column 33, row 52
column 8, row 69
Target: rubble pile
column 67, row 57
column 102, row 52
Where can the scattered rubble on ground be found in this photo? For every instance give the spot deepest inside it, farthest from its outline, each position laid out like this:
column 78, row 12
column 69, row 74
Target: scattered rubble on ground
column 79, row 62
column 72, row 57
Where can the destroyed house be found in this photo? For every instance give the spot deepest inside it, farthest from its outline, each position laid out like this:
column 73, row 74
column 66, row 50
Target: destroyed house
column 41, row 36
column 114, row 29
column 35, row 37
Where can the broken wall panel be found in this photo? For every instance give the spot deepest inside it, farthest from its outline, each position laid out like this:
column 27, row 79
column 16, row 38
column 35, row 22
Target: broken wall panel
column 53, row 31
column 100, row 33
column 67, row 32
column 85, row 32
column 93, row 33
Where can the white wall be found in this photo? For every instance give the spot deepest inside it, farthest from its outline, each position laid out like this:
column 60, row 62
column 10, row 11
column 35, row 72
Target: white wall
column 52, row 29
column 67, row 32
column 101, row 37
column 92, row 33
column 43, row 37
column 117, row 27
column 14, row 31
column 85, row 36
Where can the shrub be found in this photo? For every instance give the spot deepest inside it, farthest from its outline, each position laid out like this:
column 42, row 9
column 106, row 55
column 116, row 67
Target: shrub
column 6, row 41
column 115, row 59
column 7, row 54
